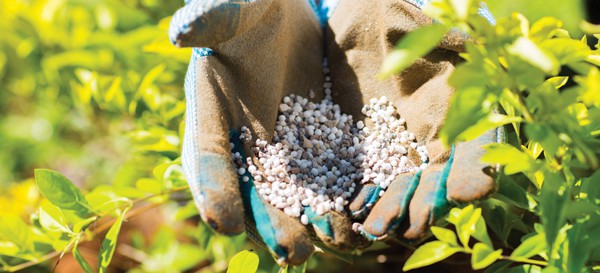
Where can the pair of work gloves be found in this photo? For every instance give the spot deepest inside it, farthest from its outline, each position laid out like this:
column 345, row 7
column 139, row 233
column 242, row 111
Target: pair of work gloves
column 248, row 55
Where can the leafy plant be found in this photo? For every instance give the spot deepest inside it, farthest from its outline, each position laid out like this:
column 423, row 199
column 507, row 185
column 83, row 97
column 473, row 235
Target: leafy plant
column 544, row 88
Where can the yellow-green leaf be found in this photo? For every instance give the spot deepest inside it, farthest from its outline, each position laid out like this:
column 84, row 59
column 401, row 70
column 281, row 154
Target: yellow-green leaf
column 534, row 55
column 484, row 255
column 514, row 160
column 243, row 262
column 533, row 245
column 50, row 223
column 444, row 235
column 109, row 244
column 429, row 253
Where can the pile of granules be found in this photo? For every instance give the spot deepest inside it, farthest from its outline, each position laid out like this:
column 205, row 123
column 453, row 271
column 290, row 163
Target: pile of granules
column 318, row 155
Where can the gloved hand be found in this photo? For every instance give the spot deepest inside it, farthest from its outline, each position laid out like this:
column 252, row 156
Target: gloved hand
column 358, row 36
column 260, row 51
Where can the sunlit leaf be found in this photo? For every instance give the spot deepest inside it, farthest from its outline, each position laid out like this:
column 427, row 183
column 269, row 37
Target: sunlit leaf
column 511, row 158
column 480, row 233
column 544, row 28
column 558, row 82
column 445, row 235
column 534, row 55
column 483, row 256
column 149, row 185
column 591, row 87
column 566, row 50
column 15, row 230
column 491, row 121
column 52, row 224
column 589, row 27
column 428, row 254
column 243, row 262
column 531, row 246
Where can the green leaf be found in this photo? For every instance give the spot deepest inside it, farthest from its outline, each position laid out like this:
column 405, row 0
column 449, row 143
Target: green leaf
column 109, row 244
column 428, row 254
column 14, row 229
column 52, row 224
column 82, row 262
column 590, row 28
column 468, row 223
column 511, row 158
column 115, row 94
column 491, row 121
column 480, row 233
column 243, row 262
column 533, row 245
column 566, row 50
column 558, row 82
column 509, row 191
column 591, row 188
column 552, row 199
column 466, row 109
column 531, row 53
column 445, row 235
column 145, row 89
column 149, row 185
column 591, row 87
column 413, row 46
column 61, row 192
column 543, row 28
column 484, row 255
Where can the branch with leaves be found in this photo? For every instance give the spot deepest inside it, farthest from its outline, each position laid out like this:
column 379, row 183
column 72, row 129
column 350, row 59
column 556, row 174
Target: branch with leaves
column 69, row 218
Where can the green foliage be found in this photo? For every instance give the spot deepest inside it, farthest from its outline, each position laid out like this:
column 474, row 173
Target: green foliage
column 93, row 89
column 543, row 87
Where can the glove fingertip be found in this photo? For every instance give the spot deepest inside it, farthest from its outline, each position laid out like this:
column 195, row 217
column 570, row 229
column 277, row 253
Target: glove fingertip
column 363, row 201
column 218, row 197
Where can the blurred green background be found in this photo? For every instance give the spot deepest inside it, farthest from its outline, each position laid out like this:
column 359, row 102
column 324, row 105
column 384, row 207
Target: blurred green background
column 93, row 89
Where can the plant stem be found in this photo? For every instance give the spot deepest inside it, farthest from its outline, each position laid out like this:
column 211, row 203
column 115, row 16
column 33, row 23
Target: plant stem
column 42, row 259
